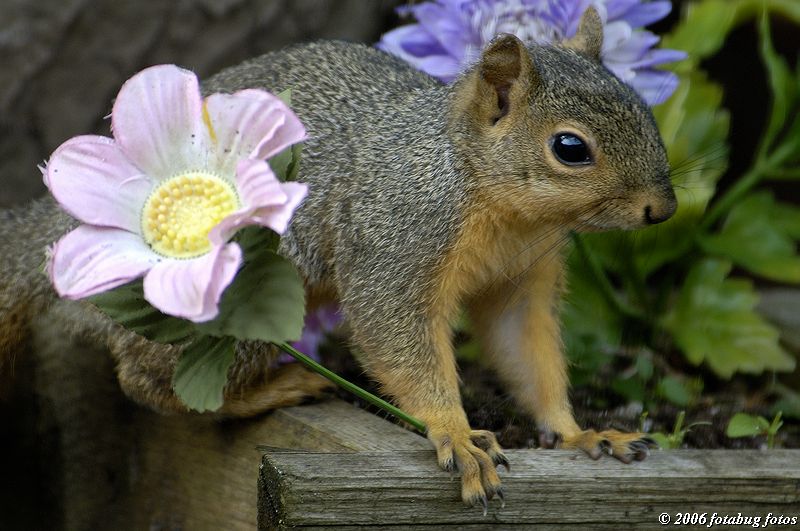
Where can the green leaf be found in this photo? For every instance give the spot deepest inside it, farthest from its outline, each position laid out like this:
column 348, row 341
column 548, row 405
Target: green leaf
column 127, row 306
column 704, row 27
column 266, row 301
column 294, row 166
column 789, row 9
column 631, row 389
column 285, row 96
column 706, row 24
column 787, row 218
column 756, row 236
column 644, row 367
column 674, row 390
column 255, row 240
column 664, row 441
column 202, row 372
column 280, row 163
column 744, row 425
column 788, row 404
column 781, row 81
column 286, row 164
column 714, row 321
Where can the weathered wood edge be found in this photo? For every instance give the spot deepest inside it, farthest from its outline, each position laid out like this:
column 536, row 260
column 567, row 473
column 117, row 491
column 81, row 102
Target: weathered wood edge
column 545, row 488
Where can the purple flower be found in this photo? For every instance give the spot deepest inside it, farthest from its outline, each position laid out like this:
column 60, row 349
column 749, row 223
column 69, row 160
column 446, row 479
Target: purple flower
column 318, row 324
column 162, row 199
column 450, row 35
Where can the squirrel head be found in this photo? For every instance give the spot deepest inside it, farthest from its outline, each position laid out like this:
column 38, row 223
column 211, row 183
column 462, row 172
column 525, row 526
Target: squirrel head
column 550, row 133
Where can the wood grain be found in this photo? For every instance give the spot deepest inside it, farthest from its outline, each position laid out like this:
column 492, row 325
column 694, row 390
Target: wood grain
column 544, row 488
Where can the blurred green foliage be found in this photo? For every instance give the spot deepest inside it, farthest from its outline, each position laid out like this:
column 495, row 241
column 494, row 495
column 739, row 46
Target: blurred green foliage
column 682, row 287
column 673, row 440
column 744, row 425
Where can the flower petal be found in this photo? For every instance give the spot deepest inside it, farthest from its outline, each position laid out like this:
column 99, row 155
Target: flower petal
column 90, row 260
column 615, row 34
column 442, row 67
column 277, row 217
column 631, row 49
column 250, row 123
column 93, row 180
column 410, row 42
column 447, row 25
column 157, row 120
column 617, row 8
column 267, row 201
column 645, row 14
column 654, row 86
column 421, row 50
column 257, row 184
column 192, row 288
column 659, row 56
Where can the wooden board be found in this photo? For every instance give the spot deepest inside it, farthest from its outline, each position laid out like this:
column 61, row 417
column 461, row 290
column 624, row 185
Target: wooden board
column 545, row 488
column 196, row 473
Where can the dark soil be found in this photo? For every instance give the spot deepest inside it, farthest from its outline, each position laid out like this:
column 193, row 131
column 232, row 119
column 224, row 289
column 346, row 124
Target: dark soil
column 488, row 406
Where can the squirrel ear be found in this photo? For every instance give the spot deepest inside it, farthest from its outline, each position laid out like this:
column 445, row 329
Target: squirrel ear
column 589, row 38
column 505, row 65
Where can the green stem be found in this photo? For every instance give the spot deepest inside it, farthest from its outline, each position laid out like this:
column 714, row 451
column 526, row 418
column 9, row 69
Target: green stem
column 606, row 288
column 348, row 386
column 734, row 193
column 772, row 431
column 784, row 175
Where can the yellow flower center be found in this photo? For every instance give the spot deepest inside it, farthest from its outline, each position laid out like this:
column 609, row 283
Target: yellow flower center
column 182, row 210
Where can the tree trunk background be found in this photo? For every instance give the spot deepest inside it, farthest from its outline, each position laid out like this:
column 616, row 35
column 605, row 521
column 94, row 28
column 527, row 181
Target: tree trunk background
column 64, row 60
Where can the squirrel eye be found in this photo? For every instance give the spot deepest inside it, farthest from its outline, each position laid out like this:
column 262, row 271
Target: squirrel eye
column 570, row 149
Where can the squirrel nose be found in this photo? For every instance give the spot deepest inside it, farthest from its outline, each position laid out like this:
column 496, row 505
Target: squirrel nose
column 662, row 212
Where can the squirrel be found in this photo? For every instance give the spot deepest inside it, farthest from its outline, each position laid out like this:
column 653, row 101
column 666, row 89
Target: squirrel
column 424, row 199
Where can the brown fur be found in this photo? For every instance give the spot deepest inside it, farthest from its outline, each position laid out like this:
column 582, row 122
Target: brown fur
column 423, row 198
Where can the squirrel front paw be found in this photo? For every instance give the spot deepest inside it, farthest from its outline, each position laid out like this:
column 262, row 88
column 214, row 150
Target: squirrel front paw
column 475, row 454
column 626, row 447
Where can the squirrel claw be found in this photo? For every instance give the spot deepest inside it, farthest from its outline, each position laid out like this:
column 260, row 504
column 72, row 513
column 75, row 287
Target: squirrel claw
column 487, row 441
column 501, row 496
column 474, row 455
column 501, row 460
column 640, row 450
column 605, row 446
column 485, row 503
column 626, row 447
column 650, row 442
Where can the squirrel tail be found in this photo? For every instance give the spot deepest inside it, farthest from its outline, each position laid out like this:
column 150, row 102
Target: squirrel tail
column 25, row 234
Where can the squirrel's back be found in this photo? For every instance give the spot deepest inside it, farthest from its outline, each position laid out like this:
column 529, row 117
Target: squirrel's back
column 378, row 161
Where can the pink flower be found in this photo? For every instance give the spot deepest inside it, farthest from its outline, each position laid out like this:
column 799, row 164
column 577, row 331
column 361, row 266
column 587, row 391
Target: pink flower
column 163, row 197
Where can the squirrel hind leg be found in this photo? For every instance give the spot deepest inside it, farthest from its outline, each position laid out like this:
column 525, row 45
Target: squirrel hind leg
column 145, row 371
column 286, row 385
column 254, row 385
